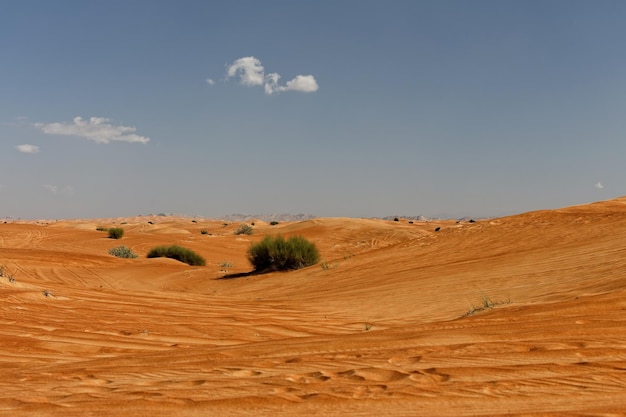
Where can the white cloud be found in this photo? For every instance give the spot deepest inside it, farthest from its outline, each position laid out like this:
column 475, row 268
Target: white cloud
column 98, row 129
column 303, row 83
column 210, row 81
column 599, row 185
column 68, row 190
column 271, row 83
column 52, row 188
column 252, row 73
column 25, row 148
column 249, row 70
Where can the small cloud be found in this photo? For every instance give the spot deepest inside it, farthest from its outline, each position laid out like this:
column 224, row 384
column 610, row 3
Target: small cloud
column 302, row 83
column 249, row 70
column 26, row 148
column 210, row 81
column 52, row 188
column 68, row 190
column 252, row 73
column 599, row 185
column 98, row 129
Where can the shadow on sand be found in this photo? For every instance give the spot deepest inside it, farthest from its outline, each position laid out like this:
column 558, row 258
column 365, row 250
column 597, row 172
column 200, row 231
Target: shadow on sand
column 240, row 275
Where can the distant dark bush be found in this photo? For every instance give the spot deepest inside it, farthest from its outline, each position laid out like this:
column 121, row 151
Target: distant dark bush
column 179, row 253
column 116, row 232
column 273, row 223
column 102, row 229
column 396, row 219
column 204, row 232
column 122, row 252
column 244, row 229
column 274, row 253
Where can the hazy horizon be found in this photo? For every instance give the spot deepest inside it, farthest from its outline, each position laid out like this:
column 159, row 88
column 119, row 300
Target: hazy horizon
column 335, row 109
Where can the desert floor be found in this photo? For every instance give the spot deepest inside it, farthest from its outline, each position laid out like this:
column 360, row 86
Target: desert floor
column 522, row 315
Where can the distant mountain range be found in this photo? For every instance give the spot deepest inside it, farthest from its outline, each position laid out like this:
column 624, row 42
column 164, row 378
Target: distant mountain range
column 282, row 217
column 288, row 217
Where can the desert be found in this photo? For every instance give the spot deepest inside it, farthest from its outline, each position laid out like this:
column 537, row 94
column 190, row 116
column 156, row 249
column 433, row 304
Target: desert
column 518, row 315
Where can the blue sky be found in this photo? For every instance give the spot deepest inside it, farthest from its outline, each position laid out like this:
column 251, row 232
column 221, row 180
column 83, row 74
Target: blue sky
column 333, row 108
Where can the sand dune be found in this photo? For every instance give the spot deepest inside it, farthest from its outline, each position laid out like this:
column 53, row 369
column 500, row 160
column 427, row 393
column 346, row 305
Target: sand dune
column 522, row 315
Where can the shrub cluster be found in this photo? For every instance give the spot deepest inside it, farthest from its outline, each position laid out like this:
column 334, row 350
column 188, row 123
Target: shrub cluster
column 274, row 253
column 244, row 229
column 179, row 253
column 122, row 252
column 116, row 232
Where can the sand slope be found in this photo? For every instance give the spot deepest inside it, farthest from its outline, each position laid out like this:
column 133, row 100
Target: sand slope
column 523, row 315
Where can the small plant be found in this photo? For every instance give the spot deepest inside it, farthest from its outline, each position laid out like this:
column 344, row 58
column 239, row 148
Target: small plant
column 327, row 265
column 179, row 253
column 274, row 223
column 116, row 233
column 244, row 229
column 487, row 303
column 122, row 252
column 204, row 232
column 102, row 229
column 225, row 264
column 3, row 273
column 368, row 326
column 274, row 253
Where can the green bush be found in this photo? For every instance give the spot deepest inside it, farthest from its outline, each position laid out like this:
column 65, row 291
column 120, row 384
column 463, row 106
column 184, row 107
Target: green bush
column 122, row 252
column 274, row 253
column 116, row 232
column 179, row 253
column 244, row 229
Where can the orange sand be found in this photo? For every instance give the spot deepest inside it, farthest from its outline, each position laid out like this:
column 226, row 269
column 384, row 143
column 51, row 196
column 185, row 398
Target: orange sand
column 384, row 330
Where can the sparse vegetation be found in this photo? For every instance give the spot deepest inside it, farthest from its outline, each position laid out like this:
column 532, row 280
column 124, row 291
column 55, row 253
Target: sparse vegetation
column 274, row 253
column 4, row 273
column 274, row 223
column 116, row 232
column 102, row 229
column 204, row 232
column 327, row 265
column 179, row 253
column 244, row 229
column 487, row 303
column 122, row 252
column 225, row 264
